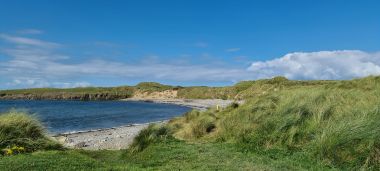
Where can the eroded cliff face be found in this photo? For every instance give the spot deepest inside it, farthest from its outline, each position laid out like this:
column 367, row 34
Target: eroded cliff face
column 167, row 94
column 63, row 96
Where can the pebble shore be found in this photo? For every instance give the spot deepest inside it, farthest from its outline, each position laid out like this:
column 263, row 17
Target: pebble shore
column 121, row 137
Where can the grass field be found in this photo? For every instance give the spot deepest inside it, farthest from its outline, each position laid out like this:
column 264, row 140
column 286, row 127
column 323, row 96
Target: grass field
column 165, row 155
column 283, row 125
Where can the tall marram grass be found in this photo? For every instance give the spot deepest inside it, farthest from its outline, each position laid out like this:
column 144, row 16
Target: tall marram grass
column 338, row 122
column 153, row 133
column 23, row 130
column 194, row 124
column 340, row 127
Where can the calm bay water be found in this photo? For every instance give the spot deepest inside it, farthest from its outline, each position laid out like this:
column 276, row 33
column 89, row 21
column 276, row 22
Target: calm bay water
column 66, row 116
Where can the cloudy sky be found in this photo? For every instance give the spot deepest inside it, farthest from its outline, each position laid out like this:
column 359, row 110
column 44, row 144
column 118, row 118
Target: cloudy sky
column 109, row 43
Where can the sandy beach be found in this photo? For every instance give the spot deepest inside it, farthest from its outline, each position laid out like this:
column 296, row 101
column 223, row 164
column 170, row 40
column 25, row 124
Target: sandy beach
column 121, row 137
column 199, row 104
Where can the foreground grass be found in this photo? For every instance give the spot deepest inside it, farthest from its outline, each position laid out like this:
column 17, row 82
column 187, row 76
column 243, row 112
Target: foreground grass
column 49, row 160
column 165, row 155
column 22, row 130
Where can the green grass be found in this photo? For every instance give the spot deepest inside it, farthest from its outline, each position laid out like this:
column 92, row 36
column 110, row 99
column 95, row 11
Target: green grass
column 248, row 89
column 49, row 160
column 19, row 129
column 164, row 155
column 338, row 122
column 241, row 90
column 148, row 136
column 85, row 93
column 174, row 155
column 152, row 87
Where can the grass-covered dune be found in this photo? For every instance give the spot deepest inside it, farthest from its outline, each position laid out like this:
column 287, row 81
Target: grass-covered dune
column 283, row 125
column 336, row 122
column 241, row 90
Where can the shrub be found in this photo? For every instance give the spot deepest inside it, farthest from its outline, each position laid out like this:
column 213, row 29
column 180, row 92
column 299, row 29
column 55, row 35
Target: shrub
column 20, row 129
column 147, row 136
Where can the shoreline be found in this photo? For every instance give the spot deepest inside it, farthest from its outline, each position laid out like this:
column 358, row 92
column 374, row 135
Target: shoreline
column 199, row 104
column 121, row 137
column 105, row 129
column 114, row 138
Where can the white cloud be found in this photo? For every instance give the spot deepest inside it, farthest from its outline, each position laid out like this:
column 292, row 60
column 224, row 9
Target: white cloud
column 29, row 41
column 232, row 49
column 29, row 82
column 37, row 63
column 33, row 64
column 38, row 83
column 71, row 85
column 345, row 64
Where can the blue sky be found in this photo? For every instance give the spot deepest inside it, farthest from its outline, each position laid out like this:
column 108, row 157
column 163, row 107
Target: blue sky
column 106, row 43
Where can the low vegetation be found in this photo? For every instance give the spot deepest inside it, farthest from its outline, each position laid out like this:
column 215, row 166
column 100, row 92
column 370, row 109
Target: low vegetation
column 83, row 93
column 241, row 90
column 169, row 154
column 283, row 125
column 20, row 132
column 153, row 87
column 154, row 133
column 336, row 121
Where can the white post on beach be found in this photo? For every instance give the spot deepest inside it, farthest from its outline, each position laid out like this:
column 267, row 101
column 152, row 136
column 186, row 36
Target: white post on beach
column 217, row 107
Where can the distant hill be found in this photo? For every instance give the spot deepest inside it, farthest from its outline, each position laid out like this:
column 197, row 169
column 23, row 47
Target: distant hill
column 241, row 90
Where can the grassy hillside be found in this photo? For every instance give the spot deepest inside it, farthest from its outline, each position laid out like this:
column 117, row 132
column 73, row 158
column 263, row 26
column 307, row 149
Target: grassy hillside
column 241, row 90
column 85, row 93
column 283, row 125
column 248, row 89
column 338, row 122
column 153, row 86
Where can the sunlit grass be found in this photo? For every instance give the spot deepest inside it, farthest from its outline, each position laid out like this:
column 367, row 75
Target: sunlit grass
column 20, row 129
column 338, row 122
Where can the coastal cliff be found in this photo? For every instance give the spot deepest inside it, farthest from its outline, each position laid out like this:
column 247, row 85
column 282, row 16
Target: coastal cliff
column 88, row 93
column 63, row 96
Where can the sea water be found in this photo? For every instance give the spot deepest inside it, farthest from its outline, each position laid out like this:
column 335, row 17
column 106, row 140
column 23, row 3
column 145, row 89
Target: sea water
column 68, row 116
